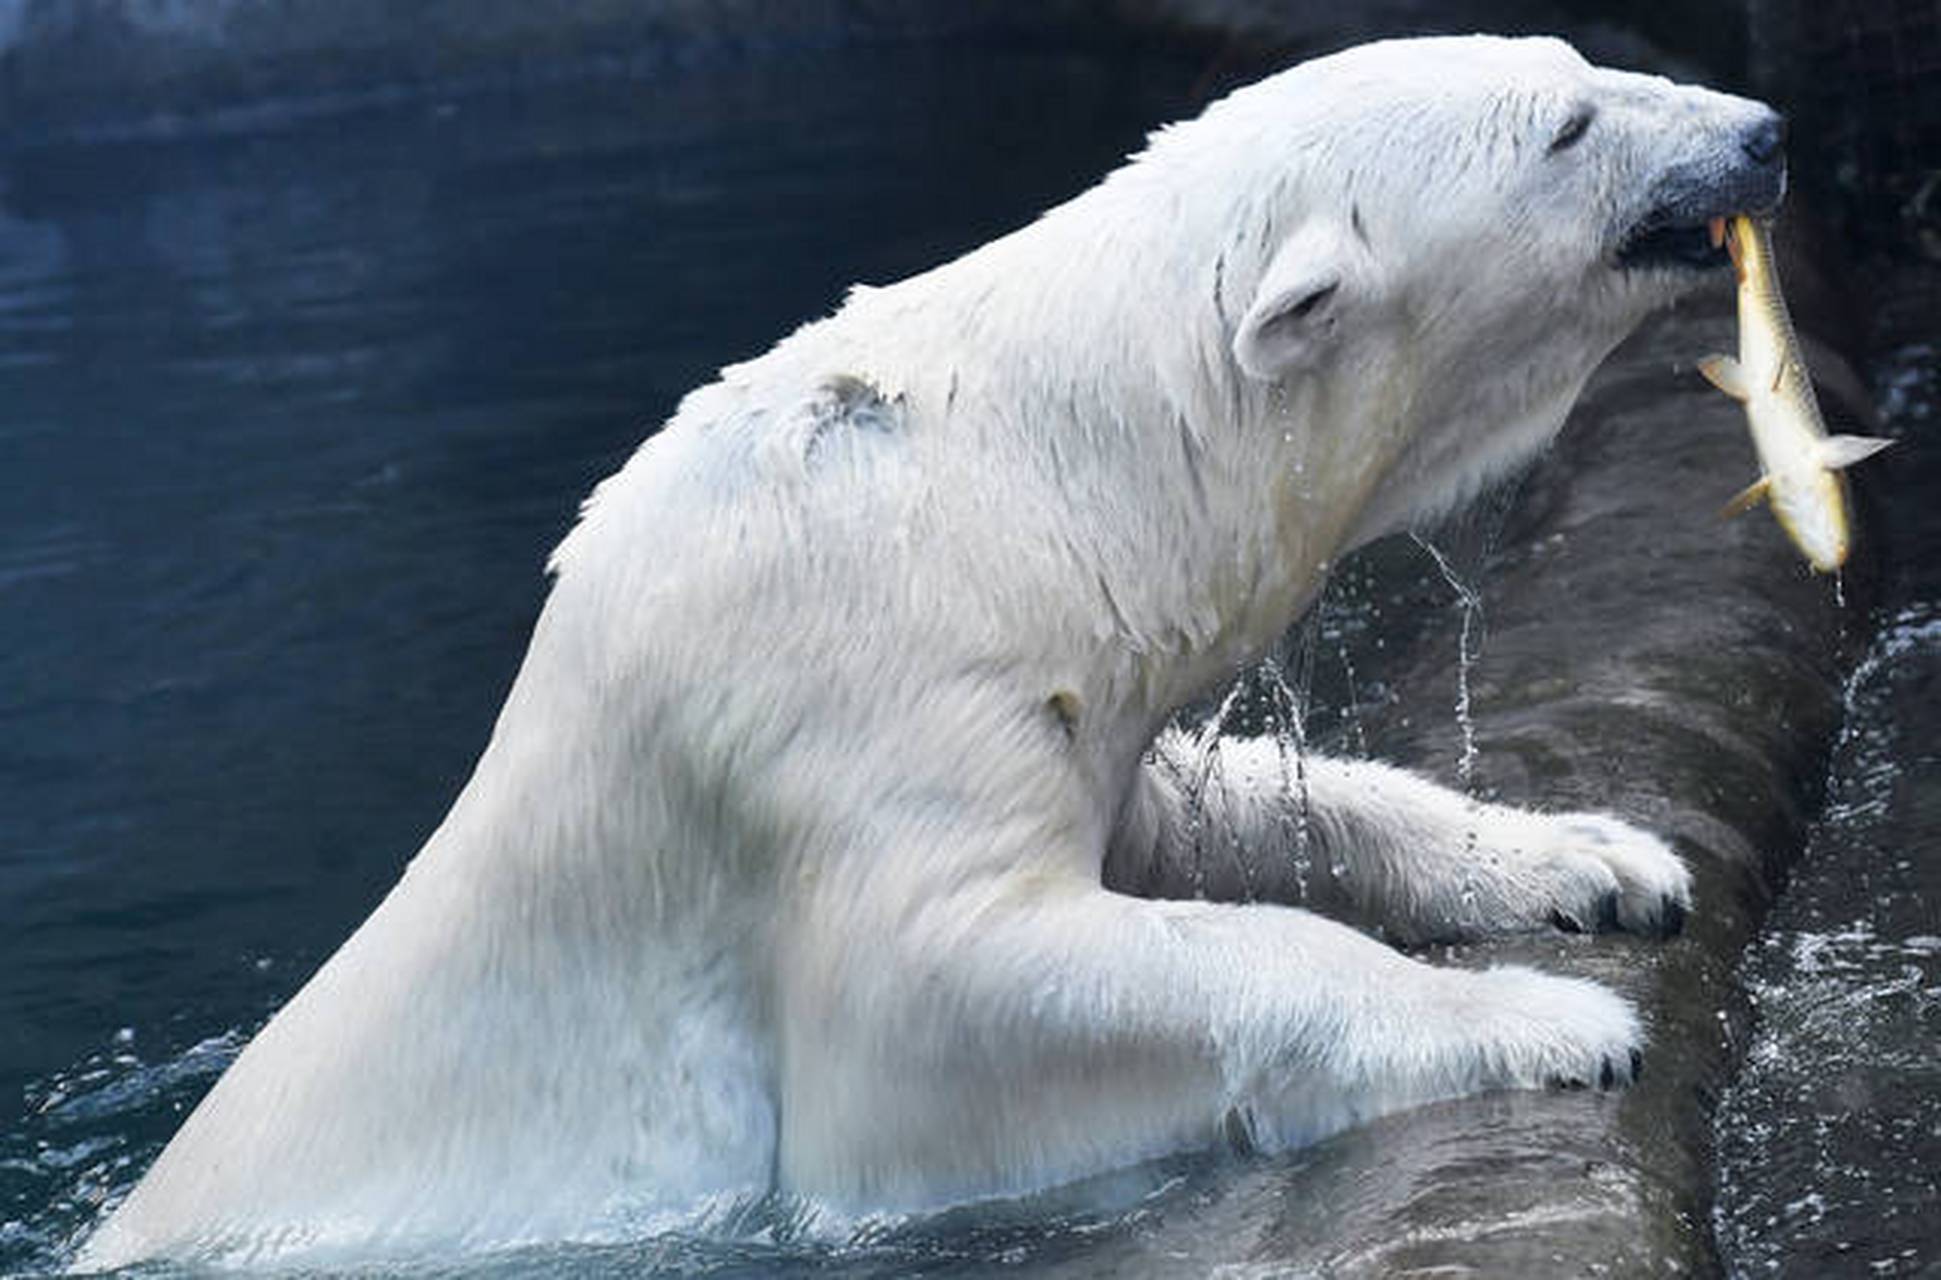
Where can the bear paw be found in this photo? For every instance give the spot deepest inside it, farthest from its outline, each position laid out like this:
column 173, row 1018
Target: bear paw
column 1520, row 870
column 1600, row 872
column 1539, row 1030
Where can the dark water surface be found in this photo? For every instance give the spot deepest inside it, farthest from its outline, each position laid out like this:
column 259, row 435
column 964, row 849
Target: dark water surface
column 1829, row 1141
column 289, row 420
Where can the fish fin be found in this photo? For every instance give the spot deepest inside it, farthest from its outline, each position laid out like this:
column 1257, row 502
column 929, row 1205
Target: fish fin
column 1779, row 375
column 1747, row 498
column 1839, row 452
column 1724, row 373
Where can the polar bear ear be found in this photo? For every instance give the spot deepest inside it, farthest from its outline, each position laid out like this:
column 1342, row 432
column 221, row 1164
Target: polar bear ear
column 1297, row 306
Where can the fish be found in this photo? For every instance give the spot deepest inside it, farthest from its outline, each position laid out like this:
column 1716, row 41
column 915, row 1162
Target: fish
column 1801, row 464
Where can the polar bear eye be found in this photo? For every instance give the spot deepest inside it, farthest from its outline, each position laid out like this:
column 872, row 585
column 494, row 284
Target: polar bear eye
column 1574, row 130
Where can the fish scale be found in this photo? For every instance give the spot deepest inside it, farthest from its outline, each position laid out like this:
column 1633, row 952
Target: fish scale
column 1800, row 463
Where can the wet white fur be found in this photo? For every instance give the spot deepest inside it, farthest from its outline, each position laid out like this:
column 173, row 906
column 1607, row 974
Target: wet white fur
column 782, row 868
column 1418, row 861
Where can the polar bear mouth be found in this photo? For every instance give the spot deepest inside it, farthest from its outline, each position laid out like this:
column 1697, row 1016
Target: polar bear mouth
column 1658, row 241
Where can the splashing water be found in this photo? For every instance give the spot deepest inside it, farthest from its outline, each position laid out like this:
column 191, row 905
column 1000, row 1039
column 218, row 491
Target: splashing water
column 1829, row 1138
column 1271, row 701
column 1471, row 605
column 89, row 1130
column 1204, row 753
column 1287, row 721
column 1351, row 708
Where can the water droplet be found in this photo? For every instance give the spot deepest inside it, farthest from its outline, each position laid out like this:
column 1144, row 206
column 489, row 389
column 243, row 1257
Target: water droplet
column 1471, row 605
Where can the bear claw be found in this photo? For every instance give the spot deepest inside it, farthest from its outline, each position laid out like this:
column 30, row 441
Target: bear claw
column 1606, row 1080
column 1607, row 913
column 1607, row 1075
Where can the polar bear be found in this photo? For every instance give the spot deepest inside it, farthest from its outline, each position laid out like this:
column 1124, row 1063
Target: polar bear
column 783, row 873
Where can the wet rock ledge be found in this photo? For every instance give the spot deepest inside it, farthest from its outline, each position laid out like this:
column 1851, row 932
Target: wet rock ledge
column 1640, row 656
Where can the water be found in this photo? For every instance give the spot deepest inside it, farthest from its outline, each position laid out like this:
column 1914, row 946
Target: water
column 289, row 419
column 1829, row 1141
column 1376, row 613
column 1287, row 712
column 1470, row 603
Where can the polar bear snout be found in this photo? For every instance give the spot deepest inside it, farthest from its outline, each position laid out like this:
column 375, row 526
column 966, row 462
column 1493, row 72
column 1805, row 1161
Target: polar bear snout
column 1756, row 180
column 1740, row 170
column 1764, row 141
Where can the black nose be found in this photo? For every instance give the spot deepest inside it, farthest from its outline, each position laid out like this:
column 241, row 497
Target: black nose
column 1765, row 142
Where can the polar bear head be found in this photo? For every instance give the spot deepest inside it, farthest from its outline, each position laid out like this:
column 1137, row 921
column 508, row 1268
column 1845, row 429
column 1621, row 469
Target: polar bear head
column 1454, row 232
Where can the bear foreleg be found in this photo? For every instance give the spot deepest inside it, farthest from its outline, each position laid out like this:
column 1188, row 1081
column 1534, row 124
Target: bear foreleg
column 1032, row 1028
column 1246, row 819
